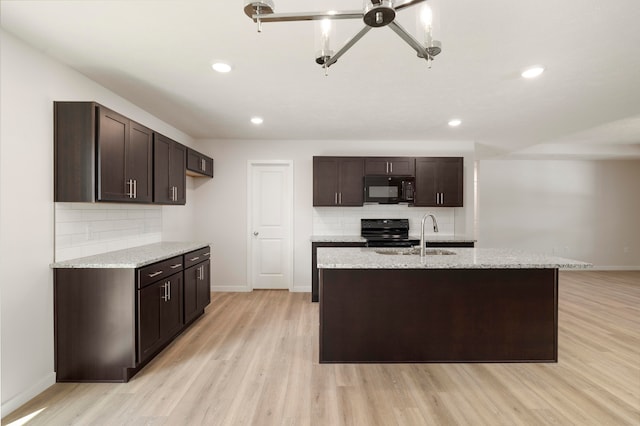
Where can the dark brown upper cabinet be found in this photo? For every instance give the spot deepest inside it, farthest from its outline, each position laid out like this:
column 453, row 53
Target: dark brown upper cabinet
column 199, row 164
column 169, row 171
column 389, row 166
column 338, row 181
column 439, row 182
column 100, row 155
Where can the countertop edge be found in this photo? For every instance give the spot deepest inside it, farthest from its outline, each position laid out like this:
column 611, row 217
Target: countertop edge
column 142, row 256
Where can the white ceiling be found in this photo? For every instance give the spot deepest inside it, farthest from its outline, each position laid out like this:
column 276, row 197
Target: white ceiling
column 157, row 54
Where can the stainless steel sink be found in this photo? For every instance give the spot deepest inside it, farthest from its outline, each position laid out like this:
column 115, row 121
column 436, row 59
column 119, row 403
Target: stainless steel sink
column 414, row 251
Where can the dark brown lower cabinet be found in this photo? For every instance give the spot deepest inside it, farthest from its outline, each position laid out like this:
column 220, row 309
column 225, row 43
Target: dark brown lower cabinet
column 109, row 323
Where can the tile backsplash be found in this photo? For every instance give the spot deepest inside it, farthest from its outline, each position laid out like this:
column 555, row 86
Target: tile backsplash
column 85, row 229
column 346, row 220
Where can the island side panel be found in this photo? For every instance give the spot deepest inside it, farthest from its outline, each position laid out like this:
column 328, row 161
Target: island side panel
column 94, row 313
column 432, row 315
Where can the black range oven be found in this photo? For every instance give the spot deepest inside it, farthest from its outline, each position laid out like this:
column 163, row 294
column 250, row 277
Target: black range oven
column 387, row 233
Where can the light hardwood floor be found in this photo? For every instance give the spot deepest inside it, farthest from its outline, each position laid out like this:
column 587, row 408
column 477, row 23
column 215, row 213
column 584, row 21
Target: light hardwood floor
column 253, row 359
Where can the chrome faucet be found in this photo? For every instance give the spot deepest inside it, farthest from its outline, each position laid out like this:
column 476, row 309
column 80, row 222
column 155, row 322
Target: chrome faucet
column 435, row 229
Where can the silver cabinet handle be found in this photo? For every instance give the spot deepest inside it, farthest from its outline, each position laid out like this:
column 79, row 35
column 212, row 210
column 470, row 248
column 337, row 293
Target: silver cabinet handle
column 129, row 188
column 442, row 198
column 169, row 287
column 155, row 274
column 387, row 164
column 335, row 196
column 135, row 188
column 198, row 274
column 164, row 295
column 193, row 259
column 340, row 198
column 177, row 265
column 206, row 254
column 203, row 165
column 391, row 167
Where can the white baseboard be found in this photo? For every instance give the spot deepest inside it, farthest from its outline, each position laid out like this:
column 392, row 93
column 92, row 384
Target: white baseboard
column 301, row 289
column 28, row 394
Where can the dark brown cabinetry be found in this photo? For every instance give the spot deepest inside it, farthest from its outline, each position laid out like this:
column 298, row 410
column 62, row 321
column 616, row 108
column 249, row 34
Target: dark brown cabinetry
column 338, row 181
column 389, row 166
column 159, row 314
column 110, row 322
column 439, row 182
column 199, row 164
column 169, row 171
column 100, row 155
column 197, row 293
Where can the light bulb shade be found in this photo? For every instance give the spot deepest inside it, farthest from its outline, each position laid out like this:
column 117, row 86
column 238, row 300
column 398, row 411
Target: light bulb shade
column 428, row 24
column 325, row 32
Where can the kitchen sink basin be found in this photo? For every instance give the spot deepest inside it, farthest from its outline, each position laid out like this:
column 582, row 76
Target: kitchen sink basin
column 414, row 251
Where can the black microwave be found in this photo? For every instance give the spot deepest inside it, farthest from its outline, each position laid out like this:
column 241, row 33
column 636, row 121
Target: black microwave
column 389, row 189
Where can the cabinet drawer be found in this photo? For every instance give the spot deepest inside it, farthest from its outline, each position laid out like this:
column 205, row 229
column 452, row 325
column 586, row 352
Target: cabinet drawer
column 197, row 256
column 157, row 271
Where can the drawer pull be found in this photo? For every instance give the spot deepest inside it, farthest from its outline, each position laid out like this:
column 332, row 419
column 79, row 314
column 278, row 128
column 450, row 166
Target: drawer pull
column 194, row 258
column 177, row 265
column 155, row 274
column 206, row 254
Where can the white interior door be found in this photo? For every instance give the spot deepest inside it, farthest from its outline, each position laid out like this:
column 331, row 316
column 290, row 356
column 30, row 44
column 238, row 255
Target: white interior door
column 270, row 224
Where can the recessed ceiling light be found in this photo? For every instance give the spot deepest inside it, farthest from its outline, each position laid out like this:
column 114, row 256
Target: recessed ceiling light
column 221, row 67
column 455, row 122
column 257, row 120
column 532, row 72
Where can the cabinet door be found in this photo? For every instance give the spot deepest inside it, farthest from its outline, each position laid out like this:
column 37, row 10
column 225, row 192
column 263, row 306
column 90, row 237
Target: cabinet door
column 139, row 162
column 204, row 285
column 376, row 166
column 450, row 177
column 402, row 166
column 162, row 191
column 149, row 299
column 190, row 293
column 392, row 166
column 169, row 168
column 177, row 172
column 113, row 139
column 325, row 181
column 171, row 307
column 426, row 188
column 351, row 182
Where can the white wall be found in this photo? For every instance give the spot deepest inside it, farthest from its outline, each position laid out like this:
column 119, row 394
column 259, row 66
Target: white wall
column 29, row 83
column 222, row 202
column 586, row 210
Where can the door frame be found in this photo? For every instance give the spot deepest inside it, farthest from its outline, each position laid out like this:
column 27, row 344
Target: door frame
column 290, row 207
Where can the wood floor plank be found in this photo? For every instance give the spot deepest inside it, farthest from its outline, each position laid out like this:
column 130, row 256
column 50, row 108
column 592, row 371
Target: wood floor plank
column 253, row 359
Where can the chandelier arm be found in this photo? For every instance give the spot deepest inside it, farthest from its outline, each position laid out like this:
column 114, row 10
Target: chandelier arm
column 346, row 47
column 410, row 40
column 408, row 3
column 307, row 16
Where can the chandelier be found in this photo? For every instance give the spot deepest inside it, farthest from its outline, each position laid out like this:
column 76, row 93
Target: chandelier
column 374, row 14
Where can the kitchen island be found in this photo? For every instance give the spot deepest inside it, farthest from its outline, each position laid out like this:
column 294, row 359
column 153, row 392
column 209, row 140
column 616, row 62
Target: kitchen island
column 453, row 305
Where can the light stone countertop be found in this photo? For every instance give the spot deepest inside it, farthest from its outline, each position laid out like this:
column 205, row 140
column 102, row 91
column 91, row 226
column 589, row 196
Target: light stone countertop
column 463, row 258
column 134, row 257
column 358, row 239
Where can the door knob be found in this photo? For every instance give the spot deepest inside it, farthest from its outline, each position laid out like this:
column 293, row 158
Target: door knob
column 256, row 233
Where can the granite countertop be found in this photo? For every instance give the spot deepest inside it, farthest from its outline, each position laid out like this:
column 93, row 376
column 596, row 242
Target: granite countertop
column 463, row 258
column 134, row 257
column 359, row 239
